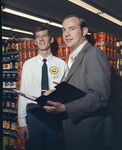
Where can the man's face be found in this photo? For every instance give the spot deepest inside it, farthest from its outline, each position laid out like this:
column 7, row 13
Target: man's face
column 43, row 40
column 72, row 33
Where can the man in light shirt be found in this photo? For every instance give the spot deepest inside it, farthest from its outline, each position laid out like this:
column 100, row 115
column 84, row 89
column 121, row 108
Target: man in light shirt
column 37, row 134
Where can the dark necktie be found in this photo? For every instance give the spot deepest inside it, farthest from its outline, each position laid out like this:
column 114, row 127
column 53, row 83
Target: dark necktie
column 44, row 83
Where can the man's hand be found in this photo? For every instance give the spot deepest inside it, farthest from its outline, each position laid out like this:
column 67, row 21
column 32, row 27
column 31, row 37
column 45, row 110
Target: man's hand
column 55, row 108
column 24, row 133
column 48, row 92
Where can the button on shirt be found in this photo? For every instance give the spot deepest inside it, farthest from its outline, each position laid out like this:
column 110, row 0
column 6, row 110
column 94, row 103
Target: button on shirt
column 31, row 80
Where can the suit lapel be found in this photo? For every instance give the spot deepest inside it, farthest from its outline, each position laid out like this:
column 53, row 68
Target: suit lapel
column 77, row 62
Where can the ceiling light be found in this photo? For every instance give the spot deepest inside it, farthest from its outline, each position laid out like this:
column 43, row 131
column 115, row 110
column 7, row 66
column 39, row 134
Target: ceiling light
column 22, row 31
column 6, row 38
column 24, row 15
column 96, row 11
column 55, row 24
column 7, row 10
column 86, row 6
column 17, row 30
column 104, row 15
column 6, row 28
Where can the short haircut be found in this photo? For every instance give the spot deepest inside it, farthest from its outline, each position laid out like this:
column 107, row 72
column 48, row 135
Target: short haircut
column 42, row 27
column 81, row 21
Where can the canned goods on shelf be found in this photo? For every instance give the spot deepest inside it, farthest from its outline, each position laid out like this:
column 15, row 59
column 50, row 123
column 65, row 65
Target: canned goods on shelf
column 20, row 64
column 32, row 44
column 33, row 53
column 115, row 52
column 28, row 44
column 66, row 51
column 24, row 54
column 108, row 38
column 115, row 63
column 20, row 55
column 60, row 52
column 111, row 62
column 24, row 45
column 58, row 40
column 29, row 54
column 111, row 40
column 19, row 74
column 96, row 37
column 108, row 50
column 101, row 37
column 18, row 83
column 111, row 52
column 20, row 45
column 114, row 40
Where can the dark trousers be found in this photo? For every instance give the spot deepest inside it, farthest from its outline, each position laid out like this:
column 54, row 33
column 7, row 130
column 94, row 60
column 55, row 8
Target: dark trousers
column 42, row 135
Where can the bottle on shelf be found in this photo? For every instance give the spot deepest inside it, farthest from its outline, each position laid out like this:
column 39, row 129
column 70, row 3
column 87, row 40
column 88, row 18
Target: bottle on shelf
column 8, row 48
column 13, row 42
column 8, row 121
column 4, row 121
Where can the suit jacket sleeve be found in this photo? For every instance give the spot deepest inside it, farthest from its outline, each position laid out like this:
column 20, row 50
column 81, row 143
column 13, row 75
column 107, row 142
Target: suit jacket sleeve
column 92, row 75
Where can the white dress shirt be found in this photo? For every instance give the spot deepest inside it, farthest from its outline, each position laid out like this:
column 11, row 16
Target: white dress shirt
column 31, row 80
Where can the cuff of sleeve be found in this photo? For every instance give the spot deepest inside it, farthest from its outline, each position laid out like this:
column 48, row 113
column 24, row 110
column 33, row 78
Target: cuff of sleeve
column 22, row 122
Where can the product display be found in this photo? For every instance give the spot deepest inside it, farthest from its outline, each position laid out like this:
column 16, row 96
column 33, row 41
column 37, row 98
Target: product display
column 15, row 53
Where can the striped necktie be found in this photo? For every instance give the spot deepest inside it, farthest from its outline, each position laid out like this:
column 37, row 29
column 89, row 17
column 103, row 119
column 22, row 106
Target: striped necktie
column 44, row 83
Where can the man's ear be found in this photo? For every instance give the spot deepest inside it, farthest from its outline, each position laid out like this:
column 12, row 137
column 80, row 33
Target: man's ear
column 52, row 39
column 85, row 31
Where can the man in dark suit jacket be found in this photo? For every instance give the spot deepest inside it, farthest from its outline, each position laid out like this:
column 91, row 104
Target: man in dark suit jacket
column 89, row 70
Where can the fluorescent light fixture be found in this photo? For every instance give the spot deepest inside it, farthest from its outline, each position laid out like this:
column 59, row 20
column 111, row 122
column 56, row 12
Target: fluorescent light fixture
column 7, row 10
column 22, row 31
column 24, row 15
column 85, row 5
column 3, row 37
column 6, row 28
column 16, row 30
column 96, row 11
column 104, row 15
column 55, row 24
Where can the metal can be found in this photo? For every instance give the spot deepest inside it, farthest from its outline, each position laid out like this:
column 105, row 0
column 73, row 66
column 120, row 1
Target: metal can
column 28, row 45
column 58, row 40
column 20, row 45
column 101, row 37
column 115, row 52
column 20, row 64
column 66, row 51
column 60, row 52
column 29, row 54
column 32, row 44
column 20, row 55
column 24, row 54
column 108, row 50
column 33, row 53
column 111, row 62
column 111, row 40
column 114, row 40
column 19, row 74
column 115, row 63
column 96, row 37
column 108, row 38
column 24, row 45
column 111, row 52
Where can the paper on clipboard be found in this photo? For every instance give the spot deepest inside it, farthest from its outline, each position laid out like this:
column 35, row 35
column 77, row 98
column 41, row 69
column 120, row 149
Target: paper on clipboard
column 25, row 95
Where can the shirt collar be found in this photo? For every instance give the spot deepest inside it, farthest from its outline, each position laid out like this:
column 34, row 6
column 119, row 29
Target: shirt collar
column 40, row 58
column 80, row 47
